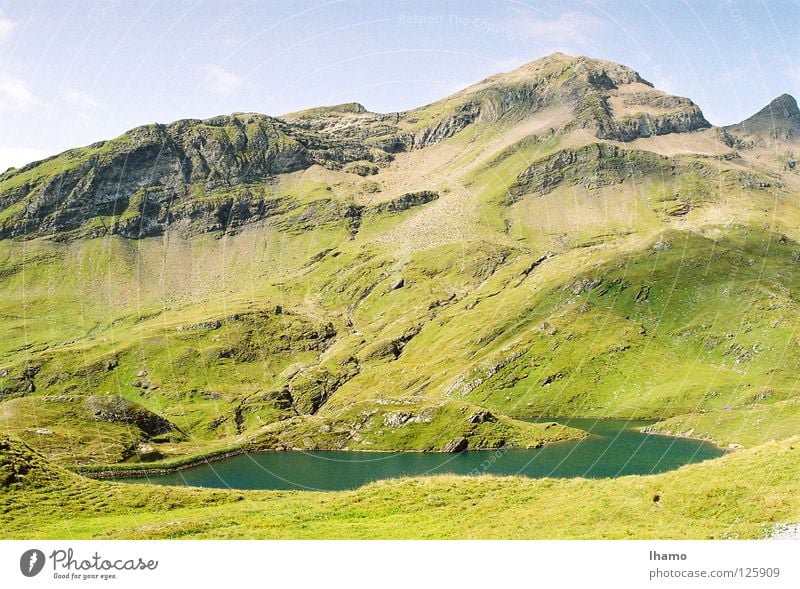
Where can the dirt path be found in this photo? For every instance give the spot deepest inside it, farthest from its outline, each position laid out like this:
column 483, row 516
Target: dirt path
column 786, row 532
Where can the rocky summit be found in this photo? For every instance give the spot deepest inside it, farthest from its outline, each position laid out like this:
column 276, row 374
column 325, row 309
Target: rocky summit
column 561, row 239
column 779, row 120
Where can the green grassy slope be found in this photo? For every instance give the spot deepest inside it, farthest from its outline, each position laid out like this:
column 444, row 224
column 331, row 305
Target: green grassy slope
column 705, row 324
column 547, row 272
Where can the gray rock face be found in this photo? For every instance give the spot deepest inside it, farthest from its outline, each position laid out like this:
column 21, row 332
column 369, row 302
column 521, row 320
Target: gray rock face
column 464, row 116
column 406, row 201
column 401, row 418
column 310, row 390
column 456, row 445
column 152, row 176
column 646, row 125
column 593, row 166
column 482, row 416
column 161, row 176
column 681, row 116
column 115, row 409
column 148, row 453
column 396, row 419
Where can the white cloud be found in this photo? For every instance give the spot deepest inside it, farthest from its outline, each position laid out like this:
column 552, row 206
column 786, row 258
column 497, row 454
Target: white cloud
column 6, row 26
column 16, row 94
column 569, row 27
column 220, row 80
column 18, row 156
column 81, row 100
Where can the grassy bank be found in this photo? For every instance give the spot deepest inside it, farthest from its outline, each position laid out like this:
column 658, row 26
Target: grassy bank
column 736, row 427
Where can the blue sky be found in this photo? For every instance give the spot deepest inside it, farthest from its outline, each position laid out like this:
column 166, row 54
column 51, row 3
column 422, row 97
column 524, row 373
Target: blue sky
column 76, row 71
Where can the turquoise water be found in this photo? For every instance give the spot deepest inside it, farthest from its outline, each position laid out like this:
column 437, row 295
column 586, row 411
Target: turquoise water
column 615, row 449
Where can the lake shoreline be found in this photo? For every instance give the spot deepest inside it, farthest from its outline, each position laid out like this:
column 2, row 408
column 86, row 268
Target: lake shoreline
column 120, row 472
column 609, row 446
column 727, row 449
column 156, row 468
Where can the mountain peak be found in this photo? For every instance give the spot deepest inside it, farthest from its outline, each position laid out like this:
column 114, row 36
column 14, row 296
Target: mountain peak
column 786, row 100
column 783, row 108
column 780, row 119
column 609, row 99
column 596, row 72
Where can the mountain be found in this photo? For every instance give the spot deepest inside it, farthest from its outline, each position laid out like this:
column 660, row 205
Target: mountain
column 205, row 175
column 562, row 239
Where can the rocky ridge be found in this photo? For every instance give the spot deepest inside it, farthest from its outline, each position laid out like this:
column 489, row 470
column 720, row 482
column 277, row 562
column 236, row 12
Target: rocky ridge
column 213, row 174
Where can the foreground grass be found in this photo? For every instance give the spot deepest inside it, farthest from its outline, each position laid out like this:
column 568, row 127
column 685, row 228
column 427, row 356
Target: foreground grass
column 742, row 495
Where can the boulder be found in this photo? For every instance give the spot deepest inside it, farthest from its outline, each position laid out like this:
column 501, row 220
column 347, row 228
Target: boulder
column 396, row 419
column 481, row 416
column 456, row 445
column 116, row 409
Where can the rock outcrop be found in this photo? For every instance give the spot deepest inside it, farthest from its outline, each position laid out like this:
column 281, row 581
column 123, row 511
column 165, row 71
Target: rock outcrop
column 116, row 409
column 592, row 166
column 456, row 445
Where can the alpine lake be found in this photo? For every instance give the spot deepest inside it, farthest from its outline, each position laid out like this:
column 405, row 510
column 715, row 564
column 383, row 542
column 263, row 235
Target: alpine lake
column 614, row 448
